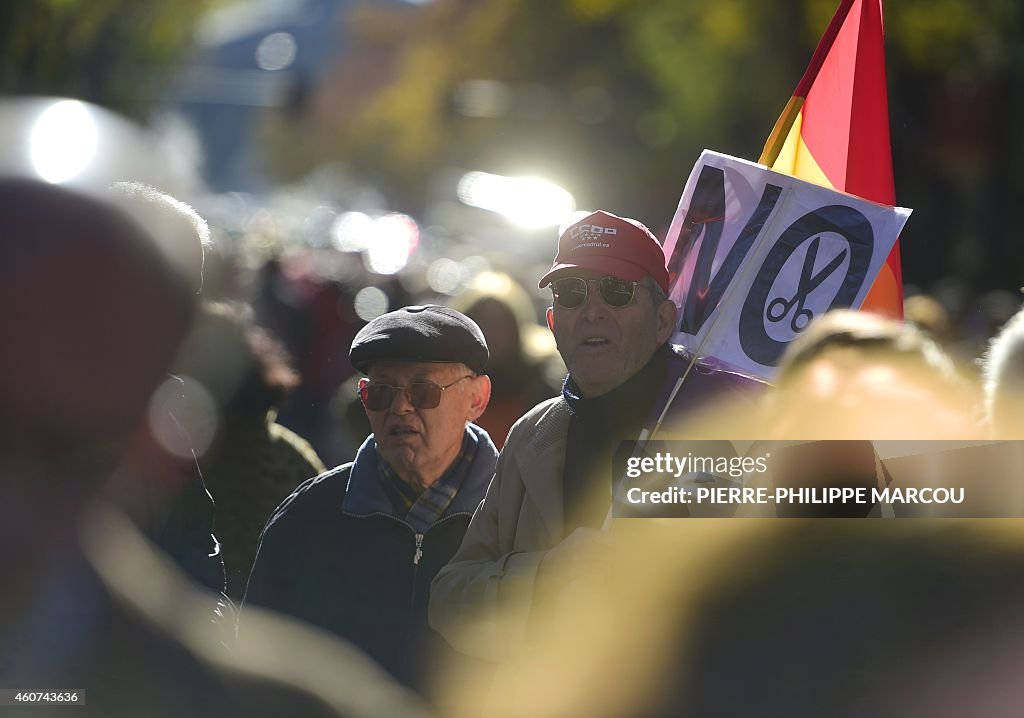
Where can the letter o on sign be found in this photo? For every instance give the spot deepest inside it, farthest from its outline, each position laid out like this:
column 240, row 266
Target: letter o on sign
column 848, row 223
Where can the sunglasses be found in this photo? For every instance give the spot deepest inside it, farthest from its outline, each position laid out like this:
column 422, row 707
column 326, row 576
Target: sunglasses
column 421, row 394
column 571, row 292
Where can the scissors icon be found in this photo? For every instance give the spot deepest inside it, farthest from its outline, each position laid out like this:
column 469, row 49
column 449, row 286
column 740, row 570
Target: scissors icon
column 779, row 307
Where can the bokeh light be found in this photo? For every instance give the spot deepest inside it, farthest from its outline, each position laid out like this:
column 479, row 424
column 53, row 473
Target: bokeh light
column 370, row 303
column 395, row 236
column 530, row 202
column 444, row 276
column 276, row 51
column 183, row 416
column 63, row 141
column 352, row 231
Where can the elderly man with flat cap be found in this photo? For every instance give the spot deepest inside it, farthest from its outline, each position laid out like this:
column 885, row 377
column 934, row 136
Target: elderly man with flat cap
column 539, row 526
column 354, row 550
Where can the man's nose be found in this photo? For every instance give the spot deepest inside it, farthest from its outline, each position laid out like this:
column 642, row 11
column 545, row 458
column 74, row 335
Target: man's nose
column 401, row 404
column 593, row 306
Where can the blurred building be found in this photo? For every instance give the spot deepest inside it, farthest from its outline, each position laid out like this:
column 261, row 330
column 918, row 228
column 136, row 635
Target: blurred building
column 254, row 57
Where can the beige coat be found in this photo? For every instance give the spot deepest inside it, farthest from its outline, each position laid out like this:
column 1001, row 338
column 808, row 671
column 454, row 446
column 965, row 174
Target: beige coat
column 480, row 601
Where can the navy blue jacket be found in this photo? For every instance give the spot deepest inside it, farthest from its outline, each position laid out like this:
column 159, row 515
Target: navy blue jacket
column 334, row 555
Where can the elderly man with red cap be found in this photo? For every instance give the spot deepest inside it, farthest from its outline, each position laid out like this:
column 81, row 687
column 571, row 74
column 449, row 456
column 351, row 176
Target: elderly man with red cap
column 541, row 518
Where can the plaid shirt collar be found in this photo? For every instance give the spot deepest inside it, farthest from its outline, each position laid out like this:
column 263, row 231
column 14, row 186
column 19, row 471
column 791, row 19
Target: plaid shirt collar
column 421, row 509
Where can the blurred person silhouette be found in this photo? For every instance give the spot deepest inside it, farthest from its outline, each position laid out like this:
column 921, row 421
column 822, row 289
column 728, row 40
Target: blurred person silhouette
column 314, row 316
column 180, row 232
column 250, row 462
column 173, row 508
column 90, row 610
column 792, row 619
column 523, row 355
column 539, row 528
column 350, row 420
column 852, row 378
column 1002, row 370
column 913, row 620
column 980, row 317
column 333, row 325
column 280, row 304
column 858, row 375
column 354, row 550
column 928, row 315
column 1002, row 373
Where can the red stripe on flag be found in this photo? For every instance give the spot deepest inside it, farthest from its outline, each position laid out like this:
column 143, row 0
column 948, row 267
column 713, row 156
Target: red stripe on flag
column 845, row 123
column 846, row 114
column 869, row 163
column 824, row 45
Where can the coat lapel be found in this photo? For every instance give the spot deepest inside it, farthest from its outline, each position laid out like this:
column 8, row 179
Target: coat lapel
column 541, row 466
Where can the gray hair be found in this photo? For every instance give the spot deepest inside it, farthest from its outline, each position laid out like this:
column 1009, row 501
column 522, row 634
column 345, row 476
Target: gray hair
column 1002, row 366
column 657, row 293
column 871, row 335
column 179, row 230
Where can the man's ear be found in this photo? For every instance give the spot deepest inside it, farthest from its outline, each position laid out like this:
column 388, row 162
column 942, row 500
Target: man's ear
column 666, row 321
column 363, row 382
column 481, row 396
column 551, row 318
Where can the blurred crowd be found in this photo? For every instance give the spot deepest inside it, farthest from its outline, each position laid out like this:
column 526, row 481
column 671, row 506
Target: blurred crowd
column 168, row 379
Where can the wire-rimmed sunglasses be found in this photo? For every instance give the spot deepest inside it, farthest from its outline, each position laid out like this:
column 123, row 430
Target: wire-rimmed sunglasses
column 571, row 292
column 421, row 394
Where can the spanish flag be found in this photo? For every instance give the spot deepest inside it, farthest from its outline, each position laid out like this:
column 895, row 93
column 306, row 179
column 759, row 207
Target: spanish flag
column 835, row 129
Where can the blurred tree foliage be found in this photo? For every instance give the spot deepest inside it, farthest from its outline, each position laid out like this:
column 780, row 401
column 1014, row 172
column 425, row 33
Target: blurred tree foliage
column 613, row 99
column 115, row 53
column 616, row 98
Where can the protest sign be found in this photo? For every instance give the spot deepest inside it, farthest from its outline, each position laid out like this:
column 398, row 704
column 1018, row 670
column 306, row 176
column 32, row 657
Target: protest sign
column 755, row 255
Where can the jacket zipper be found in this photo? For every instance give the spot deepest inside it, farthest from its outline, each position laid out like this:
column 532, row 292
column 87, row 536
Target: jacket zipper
column 418, row 554
column 419, row 550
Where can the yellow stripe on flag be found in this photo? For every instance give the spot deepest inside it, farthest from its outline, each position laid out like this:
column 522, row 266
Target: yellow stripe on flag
column 780, row 132
column 796, row 159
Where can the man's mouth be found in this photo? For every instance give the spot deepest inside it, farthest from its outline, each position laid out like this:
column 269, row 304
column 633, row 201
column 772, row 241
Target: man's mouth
column 402, row 431
column 595, row 342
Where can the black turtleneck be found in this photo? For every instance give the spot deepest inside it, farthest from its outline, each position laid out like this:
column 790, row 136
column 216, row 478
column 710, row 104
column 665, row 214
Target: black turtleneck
column 596, row 427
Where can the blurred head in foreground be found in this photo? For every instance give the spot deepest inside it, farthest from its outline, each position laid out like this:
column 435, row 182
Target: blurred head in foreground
column 92, row 317
column 857, row 375
column 845, row 619
column 1003, row 372
column 94, row 314
column 181, row 234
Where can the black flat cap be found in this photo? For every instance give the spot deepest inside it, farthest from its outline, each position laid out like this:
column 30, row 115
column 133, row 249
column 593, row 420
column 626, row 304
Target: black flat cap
column 428, row 333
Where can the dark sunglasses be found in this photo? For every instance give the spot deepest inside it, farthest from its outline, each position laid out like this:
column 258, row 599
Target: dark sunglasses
column 571, row 292
column 421, row 394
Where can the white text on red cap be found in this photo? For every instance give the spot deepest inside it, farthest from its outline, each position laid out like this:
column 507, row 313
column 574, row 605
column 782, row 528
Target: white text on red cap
column 589, row 233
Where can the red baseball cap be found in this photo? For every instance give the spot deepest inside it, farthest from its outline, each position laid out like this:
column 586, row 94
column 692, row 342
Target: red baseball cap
column 604, row 242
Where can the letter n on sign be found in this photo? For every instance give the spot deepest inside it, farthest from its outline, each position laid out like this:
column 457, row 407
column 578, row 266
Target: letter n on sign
column 755, row 255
